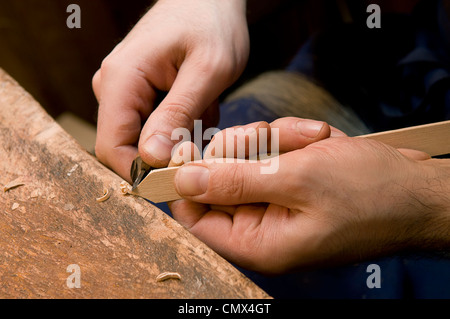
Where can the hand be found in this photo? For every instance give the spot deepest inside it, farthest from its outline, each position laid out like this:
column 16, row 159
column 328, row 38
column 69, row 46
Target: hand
column 334, row 201
column 193, row 49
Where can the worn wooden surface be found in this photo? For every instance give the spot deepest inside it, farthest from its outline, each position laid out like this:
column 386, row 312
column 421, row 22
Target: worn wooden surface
column 53, row 220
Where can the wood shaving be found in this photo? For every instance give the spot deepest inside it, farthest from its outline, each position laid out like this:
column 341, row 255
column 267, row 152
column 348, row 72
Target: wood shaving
column 168, row 275
column 72, row 170
column 105, row 195
column 125, row 188
column 15, row 206
column 35, row 193
column 68, row 207
column 13, row 184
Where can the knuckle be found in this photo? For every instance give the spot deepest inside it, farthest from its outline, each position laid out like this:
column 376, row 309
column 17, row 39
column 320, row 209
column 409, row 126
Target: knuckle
column 96, row 79
column 252, row 251
column 179, row 111
column 216, row 64
column 232, row 185
column 224, row 68
column 100, row 152
column 106, row 64
column 248, row 246
column 96, row 84
column 111, row 64
column 219, row 65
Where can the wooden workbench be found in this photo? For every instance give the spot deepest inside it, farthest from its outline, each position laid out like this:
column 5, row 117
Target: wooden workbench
column 53, row 220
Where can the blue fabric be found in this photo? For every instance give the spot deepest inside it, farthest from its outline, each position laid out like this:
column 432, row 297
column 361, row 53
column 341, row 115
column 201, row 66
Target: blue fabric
column 402, row 277
column 393, row 77
column 244, row 111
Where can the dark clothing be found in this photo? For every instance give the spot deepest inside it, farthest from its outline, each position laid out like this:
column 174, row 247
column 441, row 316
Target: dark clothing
column 393, row 77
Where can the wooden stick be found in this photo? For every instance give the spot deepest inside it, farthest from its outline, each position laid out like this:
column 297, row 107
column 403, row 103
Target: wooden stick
column 158, row 186
column 433, row 139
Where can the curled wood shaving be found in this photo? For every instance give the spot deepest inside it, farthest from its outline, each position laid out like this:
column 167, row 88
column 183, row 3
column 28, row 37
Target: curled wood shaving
column 125, row 188
column 13, row 184
column 104, row 197
column 168, row 275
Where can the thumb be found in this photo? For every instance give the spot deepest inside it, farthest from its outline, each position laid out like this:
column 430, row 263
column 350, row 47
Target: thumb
column 414, row 154
column 237, row 183
column 190, row 95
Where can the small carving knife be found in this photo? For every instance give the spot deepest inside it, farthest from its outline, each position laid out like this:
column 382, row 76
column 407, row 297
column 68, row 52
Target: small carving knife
column 157, row 185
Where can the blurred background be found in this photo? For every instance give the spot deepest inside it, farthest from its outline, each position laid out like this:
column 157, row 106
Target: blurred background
column 56, row 64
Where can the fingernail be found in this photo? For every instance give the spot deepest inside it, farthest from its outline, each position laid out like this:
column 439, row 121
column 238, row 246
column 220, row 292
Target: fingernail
column 336, row 133
column 159, row 146
column 310, row 128
column 192, row 180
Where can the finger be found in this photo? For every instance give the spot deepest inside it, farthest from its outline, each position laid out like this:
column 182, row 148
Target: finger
column 240, row 141
column 239, row 183
column 125, row 101
column 187, row 213
column 296, row 133
column 414, row 154
column 184, row 153
column 191, row 94
column 229, row 209
column 336, row 132
column 249, row 237
column 216, row 225
column 210, row 118
column 293, row 133
column 96, row 84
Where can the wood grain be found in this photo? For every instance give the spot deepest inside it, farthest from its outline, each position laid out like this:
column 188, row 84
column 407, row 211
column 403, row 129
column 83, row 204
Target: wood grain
column 53, row 220
column 158, row 186
column 433, row 139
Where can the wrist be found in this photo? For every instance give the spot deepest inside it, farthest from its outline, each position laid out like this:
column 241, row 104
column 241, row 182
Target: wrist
column 432, row 194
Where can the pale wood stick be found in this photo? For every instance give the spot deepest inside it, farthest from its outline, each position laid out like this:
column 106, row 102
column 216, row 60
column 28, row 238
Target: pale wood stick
column 433, row 139
column 158, row 186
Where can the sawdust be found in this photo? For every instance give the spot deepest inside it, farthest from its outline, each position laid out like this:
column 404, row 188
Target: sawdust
column 35, row 193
